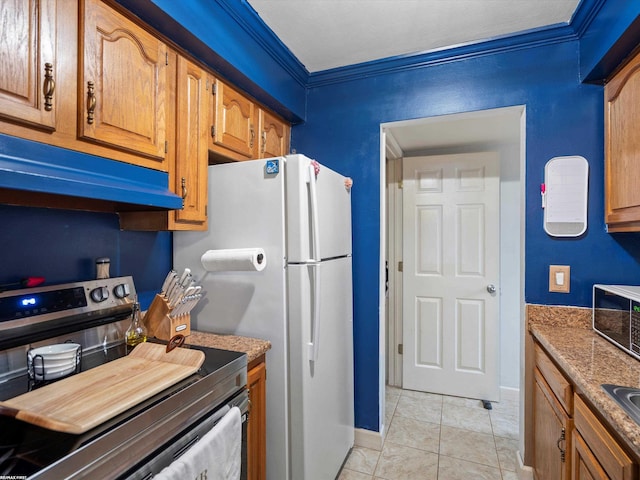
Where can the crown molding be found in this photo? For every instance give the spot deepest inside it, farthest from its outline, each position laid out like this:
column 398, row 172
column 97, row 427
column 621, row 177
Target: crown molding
column 247, row 18
column 251, row 22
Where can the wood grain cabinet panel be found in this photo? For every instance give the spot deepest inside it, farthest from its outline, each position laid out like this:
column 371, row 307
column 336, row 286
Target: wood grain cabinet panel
column 602, row 454
column 274, row 135
column 190, row 181
column 122, row 96
column 29, row 67
column 585, row 466
column 622, row 149
column 257, row 427
column 187, row 153
column 552, row 434
column 233, row 123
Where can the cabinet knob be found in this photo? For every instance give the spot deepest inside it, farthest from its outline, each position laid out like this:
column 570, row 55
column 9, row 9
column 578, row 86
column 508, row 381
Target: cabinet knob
column 48, row 87
column 253, row 136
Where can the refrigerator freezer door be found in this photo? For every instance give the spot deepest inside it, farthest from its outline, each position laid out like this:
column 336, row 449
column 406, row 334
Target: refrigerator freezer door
column 321, row 391
column 333, row 212
column 246, row 210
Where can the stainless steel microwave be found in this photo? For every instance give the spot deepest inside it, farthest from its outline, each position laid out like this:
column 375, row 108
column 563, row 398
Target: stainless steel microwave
column 616, row 316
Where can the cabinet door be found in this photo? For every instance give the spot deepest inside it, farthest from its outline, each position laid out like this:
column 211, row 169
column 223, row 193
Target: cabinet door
column 552, row 434
column 28, row 53
column 257, row 429
column 233, row 130
column 274, row 136
column 585, row 466
column 190, row 180
column 622, row 149
column 603, row 448
column 122, row 95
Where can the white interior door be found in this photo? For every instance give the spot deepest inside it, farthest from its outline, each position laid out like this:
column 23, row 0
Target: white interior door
column 450, row 275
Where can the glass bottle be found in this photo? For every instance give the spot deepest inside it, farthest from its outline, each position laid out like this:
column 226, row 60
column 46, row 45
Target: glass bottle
column 137, row 332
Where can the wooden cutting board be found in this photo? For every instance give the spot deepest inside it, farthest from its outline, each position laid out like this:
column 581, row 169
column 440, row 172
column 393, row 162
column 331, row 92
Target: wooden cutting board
column 84, row 401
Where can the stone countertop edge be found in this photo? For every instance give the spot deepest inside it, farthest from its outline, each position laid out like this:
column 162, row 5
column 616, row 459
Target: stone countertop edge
column 253, row 347
column 589, row 361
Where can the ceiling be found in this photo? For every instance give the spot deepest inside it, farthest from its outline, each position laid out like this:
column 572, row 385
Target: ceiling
column 326, row 34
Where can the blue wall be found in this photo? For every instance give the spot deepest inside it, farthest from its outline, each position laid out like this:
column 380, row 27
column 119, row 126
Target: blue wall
column 62, row 245
column 563, row 117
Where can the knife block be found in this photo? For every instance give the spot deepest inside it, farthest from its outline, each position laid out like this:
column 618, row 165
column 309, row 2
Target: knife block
column 161, row 325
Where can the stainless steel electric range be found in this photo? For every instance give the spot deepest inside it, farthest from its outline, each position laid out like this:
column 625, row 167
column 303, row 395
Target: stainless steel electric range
column 134, row 444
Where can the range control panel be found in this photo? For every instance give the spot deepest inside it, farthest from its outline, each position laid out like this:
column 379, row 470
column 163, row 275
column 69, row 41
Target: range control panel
column 29, row 305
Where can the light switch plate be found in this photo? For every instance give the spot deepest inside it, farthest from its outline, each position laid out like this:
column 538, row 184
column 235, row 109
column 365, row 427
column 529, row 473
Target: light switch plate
column 559, row 283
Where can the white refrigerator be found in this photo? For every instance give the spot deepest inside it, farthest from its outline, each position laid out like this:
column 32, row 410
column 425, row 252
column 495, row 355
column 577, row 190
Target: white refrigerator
column 299, row 212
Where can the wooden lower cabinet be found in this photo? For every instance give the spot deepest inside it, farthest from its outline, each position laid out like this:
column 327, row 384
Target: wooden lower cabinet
column 552, row 434
column 584, row 465
column 257, row 427
column 599, row 455
column 569, row 441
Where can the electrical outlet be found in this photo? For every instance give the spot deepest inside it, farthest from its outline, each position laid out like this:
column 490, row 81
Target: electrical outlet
column 559, row 278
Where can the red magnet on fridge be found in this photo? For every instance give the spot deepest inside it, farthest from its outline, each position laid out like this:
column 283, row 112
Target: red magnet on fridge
column 28, row 282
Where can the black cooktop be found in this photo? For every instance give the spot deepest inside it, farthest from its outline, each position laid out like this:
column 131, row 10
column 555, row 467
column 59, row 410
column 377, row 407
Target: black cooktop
column 214, row 360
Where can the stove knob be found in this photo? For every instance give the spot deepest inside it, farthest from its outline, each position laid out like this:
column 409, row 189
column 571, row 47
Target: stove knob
column 122, row 290
column 99, row 294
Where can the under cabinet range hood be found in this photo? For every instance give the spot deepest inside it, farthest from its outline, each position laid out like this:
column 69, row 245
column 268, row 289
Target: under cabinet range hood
column 36, row 174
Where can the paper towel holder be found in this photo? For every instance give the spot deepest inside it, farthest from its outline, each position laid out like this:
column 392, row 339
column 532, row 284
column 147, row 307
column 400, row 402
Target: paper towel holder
column 234, row 260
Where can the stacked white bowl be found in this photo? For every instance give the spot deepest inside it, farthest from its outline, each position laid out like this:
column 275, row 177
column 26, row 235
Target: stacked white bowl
column 54, row 361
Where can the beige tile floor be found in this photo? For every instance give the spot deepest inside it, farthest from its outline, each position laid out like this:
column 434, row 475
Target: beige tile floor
column 437, row 437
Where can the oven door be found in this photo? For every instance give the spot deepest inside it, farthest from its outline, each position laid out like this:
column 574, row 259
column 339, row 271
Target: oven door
column 179, row 445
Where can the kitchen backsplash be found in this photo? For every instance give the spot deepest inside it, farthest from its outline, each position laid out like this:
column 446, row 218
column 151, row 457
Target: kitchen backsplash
column 62, row 245
column 558, row 316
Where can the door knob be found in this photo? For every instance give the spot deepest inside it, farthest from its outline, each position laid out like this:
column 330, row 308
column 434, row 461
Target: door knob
column 491, row 288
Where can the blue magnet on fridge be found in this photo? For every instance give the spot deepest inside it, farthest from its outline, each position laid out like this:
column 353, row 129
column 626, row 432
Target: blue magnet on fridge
column 273, row 166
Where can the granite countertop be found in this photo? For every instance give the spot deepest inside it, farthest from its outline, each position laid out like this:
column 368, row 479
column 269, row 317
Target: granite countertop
column 589, row 360
column 253, row 347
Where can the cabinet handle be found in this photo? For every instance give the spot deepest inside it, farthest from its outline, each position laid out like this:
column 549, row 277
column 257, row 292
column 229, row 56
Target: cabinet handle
column 91, row 102
column 561, row 439
column 183, row 183
column 48, row 87
column 264, row 141
column 253, row 136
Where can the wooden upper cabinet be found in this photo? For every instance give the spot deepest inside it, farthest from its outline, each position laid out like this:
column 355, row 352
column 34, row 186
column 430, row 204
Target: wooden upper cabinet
column 122, row 93
column 233, row 123
column 622, row 149
column 274, row 135
column 187, row 154
column 28, row 72
column 191, row 142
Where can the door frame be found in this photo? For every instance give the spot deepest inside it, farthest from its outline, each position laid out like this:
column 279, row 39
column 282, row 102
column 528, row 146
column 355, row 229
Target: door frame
column 391, row 152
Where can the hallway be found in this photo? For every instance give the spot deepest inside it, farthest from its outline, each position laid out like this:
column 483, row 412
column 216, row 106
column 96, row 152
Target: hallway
column 437, row 437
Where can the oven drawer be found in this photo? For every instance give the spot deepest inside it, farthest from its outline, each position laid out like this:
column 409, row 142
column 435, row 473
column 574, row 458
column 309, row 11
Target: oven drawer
column 179, row 445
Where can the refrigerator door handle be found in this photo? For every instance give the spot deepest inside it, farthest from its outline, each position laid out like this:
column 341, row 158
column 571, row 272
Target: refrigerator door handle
column 315, row 314
column 315, row 225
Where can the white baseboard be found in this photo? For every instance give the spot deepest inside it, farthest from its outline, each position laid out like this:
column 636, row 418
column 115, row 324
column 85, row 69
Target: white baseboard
column 368, row 439
column 509, row 394
column 524, row 472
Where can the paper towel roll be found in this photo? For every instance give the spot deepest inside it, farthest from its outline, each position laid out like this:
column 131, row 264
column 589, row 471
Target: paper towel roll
column 234, row 260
